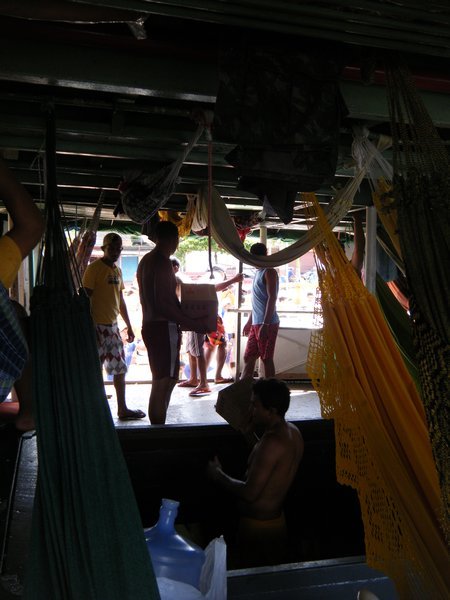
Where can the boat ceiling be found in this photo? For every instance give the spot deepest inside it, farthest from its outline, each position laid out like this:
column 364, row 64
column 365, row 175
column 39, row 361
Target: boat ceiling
column 123, row 77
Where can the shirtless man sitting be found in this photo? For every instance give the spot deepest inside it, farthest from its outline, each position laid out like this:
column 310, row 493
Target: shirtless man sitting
column 272, row 465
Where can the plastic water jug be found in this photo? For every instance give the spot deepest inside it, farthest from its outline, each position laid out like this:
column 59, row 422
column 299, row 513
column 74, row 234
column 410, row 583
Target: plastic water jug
column 172, row 555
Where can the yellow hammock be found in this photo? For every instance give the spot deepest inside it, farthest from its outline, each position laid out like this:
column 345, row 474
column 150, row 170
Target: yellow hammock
column 183, row 222
column 382, row 444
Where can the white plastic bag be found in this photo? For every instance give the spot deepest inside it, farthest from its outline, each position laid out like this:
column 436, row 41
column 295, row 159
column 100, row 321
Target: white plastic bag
column 213, row 578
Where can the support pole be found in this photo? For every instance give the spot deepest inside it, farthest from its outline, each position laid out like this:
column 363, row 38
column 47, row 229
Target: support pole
column 371, row 248
column 263, row 234
column 239, row 328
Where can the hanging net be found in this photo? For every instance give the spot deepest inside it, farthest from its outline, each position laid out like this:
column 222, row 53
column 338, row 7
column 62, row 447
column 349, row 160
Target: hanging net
column 87, row 539
column 382, row 444
column 422, row 196
column 144, row 193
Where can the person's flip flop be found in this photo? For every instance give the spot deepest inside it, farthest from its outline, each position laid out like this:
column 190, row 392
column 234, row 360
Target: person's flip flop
column 133, row 415
column 224, row 380
column 187, row 384
column 200, row 392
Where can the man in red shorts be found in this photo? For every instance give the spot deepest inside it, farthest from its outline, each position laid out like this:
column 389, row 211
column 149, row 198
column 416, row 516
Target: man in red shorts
column 162, row 319
column 263, row 322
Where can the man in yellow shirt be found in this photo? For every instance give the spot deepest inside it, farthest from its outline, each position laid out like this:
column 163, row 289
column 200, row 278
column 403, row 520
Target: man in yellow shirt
column 103, row 283
column 28, row 226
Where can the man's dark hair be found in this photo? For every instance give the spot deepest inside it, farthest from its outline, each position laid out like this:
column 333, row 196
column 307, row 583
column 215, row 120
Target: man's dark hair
column 111, row 238
column 165, row 230
column 258, row 249
column 273, row 393
column 175, row 262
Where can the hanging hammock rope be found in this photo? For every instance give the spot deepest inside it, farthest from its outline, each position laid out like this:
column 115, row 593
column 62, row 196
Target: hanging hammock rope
column 143, row 193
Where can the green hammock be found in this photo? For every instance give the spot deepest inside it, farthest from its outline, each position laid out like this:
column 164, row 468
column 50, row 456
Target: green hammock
column 87, row 540
column 422, row 192
column 400, row 326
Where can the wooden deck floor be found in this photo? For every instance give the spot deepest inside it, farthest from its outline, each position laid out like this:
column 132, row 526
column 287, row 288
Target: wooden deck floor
column 185, row 410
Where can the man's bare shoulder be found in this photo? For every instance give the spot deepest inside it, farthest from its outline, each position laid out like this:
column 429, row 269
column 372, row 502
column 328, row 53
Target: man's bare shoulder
column 295, row 431
column 152, row 260
column 148, row 257
column 271, row 274
column 282, row 438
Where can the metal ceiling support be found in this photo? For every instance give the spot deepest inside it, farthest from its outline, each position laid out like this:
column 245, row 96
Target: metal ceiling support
column 124, row 103
column 126, row 74
column 371, row 24
column 370, row 103
column 112, row 71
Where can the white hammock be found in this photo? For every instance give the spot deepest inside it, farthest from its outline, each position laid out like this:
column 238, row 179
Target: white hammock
column 224, row 231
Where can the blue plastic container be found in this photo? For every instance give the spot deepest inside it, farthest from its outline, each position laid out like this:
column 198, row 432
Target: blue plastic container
column 172, row 555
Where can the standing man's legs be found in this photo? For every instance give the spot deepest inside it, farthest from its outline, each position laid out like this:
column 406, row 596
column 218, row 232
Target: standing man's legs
column 197, row 349
column 110, row 348
column 220, row 358
column 220, row 361
column 208, row 350
column 119, row 386
column 269, row 367
column 162, row 340
column 159, row 399
column 256, row 348
column 249, row 368
column 192, row 381
column 251, row 354
column 123, row 412
column 267, row 350
column 193, row 367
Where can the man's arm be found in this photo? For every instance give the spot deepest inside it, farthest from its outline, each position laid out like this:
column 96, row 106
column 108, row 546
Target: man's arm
column 88, row 281
column 223, row 285
column 247, row 326
column 28, row 223
column 263, row 463
column 124, row 314
column 271, row 280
